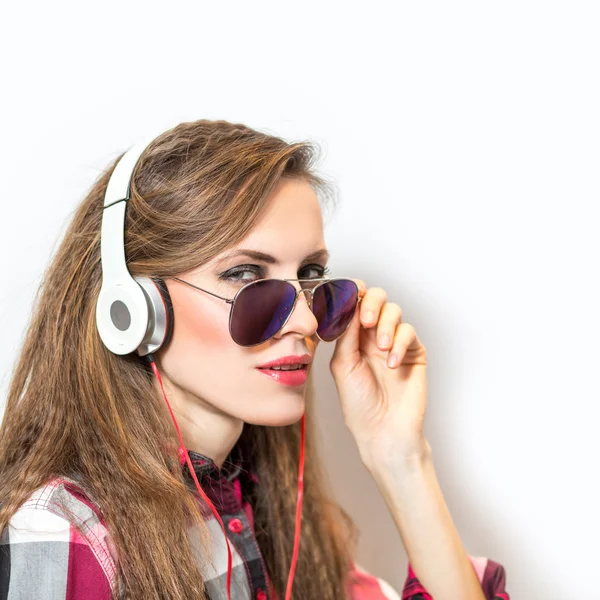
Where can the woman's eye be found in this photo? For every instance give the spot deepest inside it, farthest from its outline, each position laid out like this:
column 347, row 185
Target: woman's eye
column 258, row 273
column 237, row 276
column 319, row 272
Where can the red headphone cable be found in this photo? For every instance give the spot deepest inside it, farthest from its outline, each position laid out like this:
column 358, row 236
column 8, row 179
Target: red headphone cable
column 150, row 359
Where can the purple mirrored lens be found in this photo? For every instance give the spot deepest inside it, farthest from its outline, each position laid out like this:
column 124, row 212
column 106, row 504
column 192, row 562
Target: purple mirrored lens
column 334, row 304
column 260, row 311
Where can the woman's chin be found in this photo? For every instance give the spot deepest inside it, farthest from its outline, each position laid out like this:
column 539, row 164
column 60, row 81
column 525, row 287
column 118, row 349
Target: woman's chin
column 287, row 413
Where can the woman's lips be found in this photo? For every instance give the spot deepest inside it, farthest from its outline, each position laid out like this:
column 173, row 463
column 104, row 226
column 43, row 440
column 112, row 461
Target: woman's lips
column 293, row 377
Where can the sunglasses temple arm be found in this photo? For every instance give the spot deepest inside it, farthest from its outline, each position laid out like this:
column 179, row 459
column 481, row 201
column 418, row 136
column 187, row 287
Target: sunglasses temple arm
column 203, row 290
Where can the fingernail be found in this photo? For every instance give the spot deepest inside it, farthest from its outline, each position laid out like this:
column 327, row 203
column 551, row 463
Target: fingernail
column 392, row 360
column 384, row 340
column 369, row 316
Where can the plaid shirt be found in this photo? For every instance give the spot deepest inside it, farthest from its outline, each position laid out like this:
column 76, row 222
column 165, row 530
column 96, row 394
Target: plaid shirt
column 43, row 556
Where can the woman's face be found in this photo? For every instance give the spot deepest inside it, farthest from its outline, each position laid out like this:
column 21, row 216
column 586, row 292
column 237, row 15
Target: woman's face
column 202, row 362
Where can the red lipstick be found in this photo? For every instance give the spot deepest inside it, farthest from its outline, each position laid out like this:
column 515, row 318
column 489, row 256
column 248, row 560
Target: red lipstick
column 294, row 377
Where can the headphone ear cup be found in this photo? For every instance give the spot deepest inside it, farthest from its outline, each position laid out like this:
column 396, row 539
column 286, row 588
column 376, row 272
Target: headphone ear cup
column 164, row 292
column 123, row 314
column 159, row 315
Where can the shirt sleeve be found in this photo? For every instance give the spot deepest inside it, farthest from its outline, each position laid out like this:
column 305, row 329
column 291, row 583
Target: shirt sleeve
column 43, row 556
column 491, row 575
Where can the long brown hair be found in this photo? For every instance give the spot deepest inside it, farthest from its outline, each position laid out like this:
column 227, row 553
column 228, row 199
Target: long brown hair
column 76, row 409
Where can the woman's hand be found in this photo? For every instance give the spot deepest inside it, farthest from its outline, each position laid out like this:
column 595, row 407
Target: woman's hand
column 384, row 407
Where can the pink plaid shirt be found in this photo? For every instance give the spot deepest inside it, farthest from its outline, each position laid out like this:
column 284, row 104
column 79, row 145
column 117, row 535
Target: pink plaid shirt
column 43, row 556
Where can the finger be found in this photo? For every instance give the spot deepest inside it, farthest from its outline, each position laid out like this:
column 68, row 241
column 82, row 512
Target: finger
column 390, row 318
column 372, row 303
column 405, row 336
column 362, row 288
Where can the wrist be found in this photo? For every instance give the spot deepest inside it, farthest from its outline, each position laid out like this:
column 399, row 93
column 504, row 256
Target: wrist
column 390, row 457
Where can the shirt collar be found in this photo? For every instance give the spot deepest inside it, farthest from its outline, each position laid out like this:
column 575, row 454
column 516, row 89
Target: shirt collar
column 225, row 486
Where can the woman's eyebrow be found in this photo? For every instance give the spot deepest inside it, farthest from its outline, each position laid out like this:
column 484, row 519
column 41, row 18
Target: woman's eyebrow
column 322, row 254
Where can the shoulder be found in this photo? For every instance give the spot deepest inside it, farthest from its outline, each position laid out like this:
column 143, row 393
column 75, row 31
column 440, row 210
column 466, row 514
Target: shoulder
column 492, row 577
column 60, row 533
column 362, row 584
column 490, row 573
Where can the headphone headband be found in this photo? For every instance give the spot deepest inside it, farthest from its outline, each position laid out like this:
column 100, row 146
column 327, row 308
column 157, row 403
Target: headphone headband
column 118, row 192
column 119, row 185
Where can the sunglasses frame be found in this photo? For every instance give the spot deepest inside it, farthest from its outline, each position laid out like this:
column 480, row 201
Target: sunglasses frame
column 232, row 301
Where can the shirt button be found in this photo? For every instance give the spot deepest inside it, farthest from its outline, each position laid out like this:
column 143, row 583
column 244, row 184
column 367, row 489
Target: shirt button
column 260, row 594
column 235, row 525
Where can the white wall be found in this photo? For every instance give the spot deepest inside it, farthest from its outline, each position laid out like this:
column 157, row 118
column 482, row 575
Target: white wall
column 464, row 139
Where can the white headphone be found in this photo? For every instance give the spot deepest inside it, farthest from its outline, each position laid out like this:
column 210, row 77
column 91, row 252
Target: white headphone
column 132, row 313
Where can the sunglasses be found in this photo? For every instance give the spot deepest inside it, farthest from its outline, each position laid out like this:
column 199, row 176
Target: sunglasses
column 262, row 308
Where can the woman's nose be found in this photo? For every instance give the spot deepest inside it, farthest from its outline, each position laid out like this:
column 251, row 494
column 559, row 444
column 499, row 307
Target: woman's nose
column 302, row 318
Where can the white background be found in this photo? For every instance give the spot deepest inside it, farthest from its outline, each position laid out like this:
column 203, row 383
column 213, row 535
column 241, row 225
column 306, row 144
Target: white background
column 464, row 138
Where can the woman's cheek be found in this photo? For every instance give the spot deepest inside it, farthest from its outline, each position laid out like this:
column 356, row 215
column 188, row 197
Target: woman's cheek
column 201, row 324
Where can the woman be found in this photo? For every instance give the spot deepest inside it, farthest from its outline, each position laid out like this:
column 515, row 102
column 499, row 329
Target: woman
column 99, row 499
